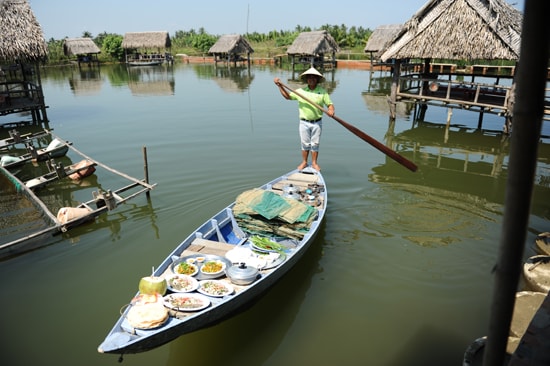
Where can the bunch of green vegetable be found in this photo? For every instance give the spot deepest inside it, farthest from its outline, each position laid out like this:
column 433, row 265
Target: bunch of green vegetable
column 266, row 244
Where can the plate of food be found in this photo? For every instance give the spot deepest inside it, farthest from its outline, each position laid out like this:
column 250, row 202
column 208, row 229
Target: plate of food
column 186, row 301
column 212, row 268
column 147, row 316
column 265, row 245
column 185, row 268
column 215, row 288
column 182, row 283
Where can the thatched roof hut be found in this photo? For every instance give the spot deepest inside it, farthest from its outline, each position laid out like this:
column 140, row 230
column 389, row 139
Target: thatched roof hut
column 381, row 37
column 146, row 40
column 79, row 46
column 459, row 30
column 310, row 48
column 21, row 37
column 22, row 48
column 231, row 44
column 317, row 43
column 231, row 48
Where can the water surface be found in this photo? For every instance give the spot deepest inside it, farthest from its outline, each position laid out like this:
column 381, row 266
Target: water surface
column 400, row 273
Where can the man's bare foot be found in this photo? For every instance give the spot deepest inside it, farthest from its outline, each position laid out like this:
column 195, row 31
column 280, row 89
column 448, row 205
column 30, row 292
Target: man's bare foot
column 316, row 167
column 302, row 166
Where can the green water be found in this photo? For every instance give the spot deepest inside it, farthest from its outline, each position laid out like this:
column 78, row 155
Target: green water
column 399, row 275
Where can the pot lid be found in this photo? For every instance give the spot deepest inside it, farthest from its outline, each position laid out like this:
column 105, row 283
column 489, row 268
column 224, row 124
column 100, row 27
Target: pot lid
column 242, row 271
column 291, row 189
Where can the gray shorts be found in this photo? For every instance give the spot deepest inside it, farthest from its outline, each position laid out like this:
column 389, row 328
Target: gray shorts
column 310, row 135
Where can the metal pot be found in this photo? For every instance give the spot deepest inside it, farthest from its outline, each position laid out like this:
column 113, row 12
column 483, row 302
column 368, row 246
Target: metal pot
column 290, row 189
column 295, row 196
column 241, row 274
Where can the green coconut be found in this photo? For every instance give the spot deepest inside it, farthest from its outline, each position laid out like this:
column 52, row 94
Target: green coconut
column 151, row 285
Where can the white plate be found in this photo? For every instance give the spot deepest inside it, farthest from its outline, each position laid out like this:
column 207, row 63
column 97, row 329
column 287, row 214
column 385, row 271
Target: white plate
column 254, row 258
column 215, row 288
column 182, row 283
column 186, row 302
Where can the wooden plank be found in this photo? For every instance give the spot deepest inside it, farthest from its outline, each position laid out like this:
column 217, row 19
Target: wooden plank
column 204, row 246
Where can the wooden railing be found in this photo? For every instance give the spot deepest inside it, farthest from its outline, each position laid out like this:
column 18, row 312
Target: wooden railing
column 14, row 90
column 487, row 96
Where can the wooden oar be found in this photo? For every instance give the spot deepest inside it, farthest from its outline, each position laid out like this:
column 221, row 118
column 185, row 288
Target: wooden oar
column 380, row 146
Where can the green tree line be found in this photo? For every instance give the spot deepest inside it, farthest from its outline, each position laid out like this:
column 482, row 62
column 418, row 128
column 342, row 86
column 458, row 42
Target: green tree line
column 198, row 42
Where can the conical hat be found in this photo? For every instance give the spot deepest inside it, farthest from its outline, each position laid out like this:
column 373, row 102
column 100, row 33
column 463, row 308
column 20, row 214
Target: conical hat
column 312, row 71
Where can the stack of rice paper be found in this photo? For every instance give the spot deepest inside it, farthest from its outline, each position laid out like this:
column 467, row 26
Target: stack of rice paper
column 263, row 212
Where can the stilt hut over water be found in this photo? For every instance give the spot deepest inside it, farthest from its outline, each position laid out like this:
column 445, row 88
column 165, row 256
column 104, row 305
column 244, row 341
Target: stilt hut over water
column 22, row 48
column 83, row 49
column 231, row 48
column 147, row 48
column 378, row 41
column 313, row 49
column 457, row 34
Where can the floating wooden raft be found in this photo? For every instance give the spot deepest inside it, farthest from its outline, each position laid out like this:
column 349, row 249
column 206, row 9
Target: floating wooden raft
column 69, row 217
column 57, row 148
column 57, row 171
column 16, row 138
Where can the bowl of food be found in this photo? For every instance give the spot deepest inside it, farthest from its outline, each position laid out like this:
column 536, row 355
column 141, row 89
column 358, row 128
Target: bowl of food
column 212, row 268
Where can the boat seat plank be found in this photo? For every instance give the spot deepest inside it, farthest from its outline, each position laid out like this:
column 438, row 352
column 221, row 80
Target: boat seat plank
column 297, row 183
column 296, row 179
column 203, row 246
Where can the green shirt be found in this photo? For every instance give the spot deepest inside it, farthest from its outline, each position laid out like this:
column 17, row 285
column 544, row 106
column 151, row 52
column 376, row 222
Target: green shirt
column 318, row 96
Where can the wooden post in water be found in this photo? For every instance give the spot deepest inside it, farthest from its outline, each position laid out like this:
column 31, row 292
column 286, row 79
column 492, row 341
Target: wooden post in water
column 145, row 168
column 395, row 88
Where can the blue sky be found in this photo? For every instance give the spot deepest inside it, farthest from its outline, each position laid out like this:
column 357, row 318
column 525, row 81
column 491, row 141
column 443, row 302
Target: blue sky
column 62, row 18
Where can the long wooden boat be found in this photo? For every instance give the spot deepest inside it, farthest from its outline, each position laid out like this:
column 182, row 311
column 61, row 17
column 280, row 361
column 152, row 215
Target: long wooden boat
column 145, row 62
column 287, row 212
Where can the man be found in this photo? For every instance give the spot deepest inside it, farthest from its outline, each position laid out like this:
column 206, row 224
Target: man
column 311, row 123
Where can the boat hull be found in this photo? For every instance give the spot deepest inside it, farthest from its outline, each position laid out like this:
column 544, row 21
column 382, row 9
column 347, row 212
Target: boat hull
column 123, row 339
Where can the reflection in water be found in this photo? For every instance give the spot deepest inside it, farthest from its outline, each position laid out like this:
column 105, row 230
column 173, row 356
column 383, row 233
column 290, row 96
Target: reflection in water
column 113, row 221
column 151, row 80
column 235, row 79
column 468, row 166
column 380, row 103
column 427, row 216
column 86, row 81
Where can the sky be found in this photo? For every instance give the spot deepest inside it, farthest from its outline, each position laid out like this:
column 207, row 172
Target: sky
column 62, row 18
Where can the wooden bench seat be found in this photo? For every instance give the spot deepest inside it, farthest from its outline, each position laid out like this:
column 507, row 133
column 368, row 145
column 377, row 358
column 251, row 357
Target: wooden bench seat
column 203, row 246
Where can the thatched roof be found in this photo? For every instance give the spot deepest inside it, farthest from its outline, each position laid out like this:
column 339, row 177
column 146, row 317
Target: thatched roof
column 21, row 37
column 381, row 37
column 231, row 43
column 460, row 30
column 79, row 46
column 135, row 40
column 313, row 43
